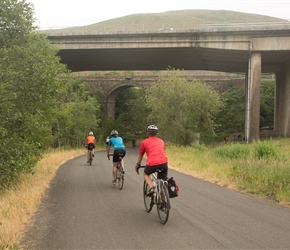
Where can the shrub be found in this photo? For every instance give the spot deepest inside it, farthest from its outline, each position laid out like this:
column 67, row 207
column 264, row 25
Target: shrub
column 233, row 151
column 265, row 150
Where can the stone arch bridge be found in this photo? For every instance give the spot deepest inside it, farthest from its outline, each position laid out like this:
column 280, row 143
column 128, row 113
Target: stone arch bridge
column 112, row 86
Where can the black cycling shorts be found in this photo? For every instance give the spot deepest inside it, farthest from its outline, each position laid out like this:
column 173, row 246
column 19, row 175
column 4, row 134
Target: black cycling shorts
column 116, row 154
column 91, row 146
column 152, row 169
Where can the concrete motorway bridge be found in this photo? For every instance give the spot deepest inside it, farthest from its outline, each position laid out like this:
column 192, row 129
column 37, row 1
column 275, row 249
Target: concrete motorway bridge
column 251, row 50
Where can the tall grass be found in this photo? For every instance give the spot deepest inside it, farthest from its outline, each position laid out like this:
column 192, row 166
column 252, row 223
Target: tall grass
column 19, row 202
column 233, row 151
column 261, row 168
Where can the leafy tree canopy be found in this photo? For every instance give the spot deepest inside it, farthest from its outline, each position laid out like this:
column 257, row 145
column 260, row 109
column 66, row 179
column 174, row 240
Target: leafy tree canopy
column 16, row 21
column 29, row 70
column 132, row 111
column 181, row 107
column 232, row 116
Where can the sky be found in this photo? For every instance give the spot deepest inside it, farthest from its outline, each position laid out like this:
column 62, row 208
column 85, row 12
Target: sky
column 69, row 13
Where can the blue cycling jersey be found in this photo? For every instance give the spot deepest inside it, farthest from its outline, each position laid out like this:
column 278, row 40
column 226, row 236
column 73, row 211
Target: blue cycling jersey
column 117, row 142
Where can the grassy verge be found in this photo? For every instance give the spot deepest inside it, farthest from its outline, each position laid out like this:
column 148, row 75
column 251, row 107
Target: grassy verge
column 261, row 168
column 20, row 202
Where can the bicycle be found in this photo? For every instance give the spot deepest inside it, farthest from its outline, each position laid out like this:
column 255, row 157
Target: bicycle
column 120, row 171
column 160, row 196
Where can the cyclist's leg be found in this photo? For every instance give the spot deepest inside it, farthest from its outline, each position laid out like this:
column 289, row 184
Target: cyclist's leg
column 148, row 180
column 147, row 177
column 163, row 175
column 90, row 148
column 123, row 153
column 122, row 162
column 114, row 171
column 115, row 162
column 88, row 156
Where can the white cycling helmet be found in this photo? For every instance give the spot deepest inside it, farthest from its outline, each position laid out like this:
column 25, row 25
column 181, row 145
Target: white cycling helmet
column 114, row 133
column 91, row 133
column 152, row 130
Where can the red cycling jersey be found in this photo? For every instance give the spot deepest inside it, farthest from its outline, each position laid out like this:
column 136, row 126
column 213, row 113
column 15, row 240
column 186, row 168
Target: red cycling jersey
column 155, row 150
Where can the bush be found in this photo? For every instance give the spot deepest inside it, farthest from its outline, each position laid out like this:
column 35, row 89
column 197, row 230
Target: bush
column 265, row 150
column 233, row 151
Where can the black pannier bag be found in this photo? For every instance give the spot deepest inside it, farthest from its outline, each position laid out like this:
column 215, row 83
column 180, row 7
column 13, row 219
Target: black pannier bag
column 173, row 188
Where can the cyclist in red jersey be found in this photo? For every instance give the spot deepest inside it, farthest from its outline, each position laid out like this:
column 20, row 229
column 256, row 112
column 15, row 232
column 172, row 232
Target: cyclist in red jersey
column 91, row 142
column 154, row 148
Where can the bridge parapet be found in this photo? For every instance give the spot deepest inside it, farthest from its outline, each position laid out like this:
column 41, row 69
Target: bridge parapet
column 168, row 28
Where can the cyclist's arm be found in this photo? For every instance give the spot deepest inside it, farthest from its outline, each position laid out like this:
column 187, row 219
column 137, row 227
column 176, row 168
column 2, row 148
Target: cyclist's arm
column 141, row 153
column 139, row 160
column 108, row 149
column 86, row 142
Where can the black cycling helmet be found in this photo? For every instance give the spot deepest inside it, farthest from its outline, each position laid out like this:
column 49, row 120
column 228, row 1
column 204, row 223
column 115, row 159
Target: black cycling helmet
column 152, row 130
column 114, row 133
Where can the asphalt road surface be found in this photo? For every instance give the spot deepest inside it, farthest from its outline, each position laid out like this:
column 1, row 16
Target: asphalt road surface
column 82, row 210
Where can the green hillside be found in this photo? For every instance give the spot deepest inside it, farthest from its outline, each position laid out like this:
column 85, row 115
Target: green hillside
column 175, row 20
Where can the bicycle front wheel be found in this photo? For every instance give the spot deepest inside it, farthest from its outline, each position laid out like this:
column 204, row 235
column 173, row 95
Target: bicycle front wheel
column 120, row 175
column 148, row 200
column 163, row 205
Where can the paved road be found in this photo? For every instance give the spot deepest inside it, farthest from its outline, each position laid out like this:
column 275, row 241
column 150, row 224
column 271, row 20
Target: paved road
column 82, row 210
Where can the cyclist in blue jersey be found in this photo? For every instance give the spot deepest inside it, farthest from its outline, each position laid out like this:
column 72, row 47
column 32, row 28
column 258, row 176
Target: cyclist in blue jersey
column 119, row 148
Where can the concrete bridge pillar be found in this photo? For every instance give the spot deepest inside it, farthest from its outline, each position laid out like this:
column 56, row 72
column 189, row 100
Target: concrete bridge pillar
column 282, row 102
column 279, row 100
column 252, row 127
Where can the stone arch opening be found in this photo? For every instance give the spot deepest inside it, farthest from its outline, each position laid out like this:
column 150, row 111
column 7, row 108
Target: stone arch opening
column 112, row 94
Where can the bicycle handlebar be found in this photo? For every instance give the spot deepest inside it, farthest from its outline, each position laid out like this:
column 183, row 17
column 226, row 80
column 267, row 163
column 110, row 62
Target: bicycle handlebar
column 157, row 170
column 120, row 156
column 137, row 169
column 109, row 156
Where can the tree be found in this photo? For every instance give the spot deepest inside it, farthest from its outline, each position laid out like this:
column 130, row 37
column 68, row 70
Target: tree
column 29, row 80
column 77, row 112
column 181, row 107
column 132, row 111
column 16, row 21
column 232, row 116
column 267, row 103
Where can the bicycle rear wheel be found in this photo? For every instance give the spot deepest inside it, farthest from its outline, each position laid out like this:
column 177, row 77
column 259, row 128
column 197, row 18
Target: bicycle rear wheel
column 148, row 200
column 163, row 205
column 120, row 177
column 91, row 158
